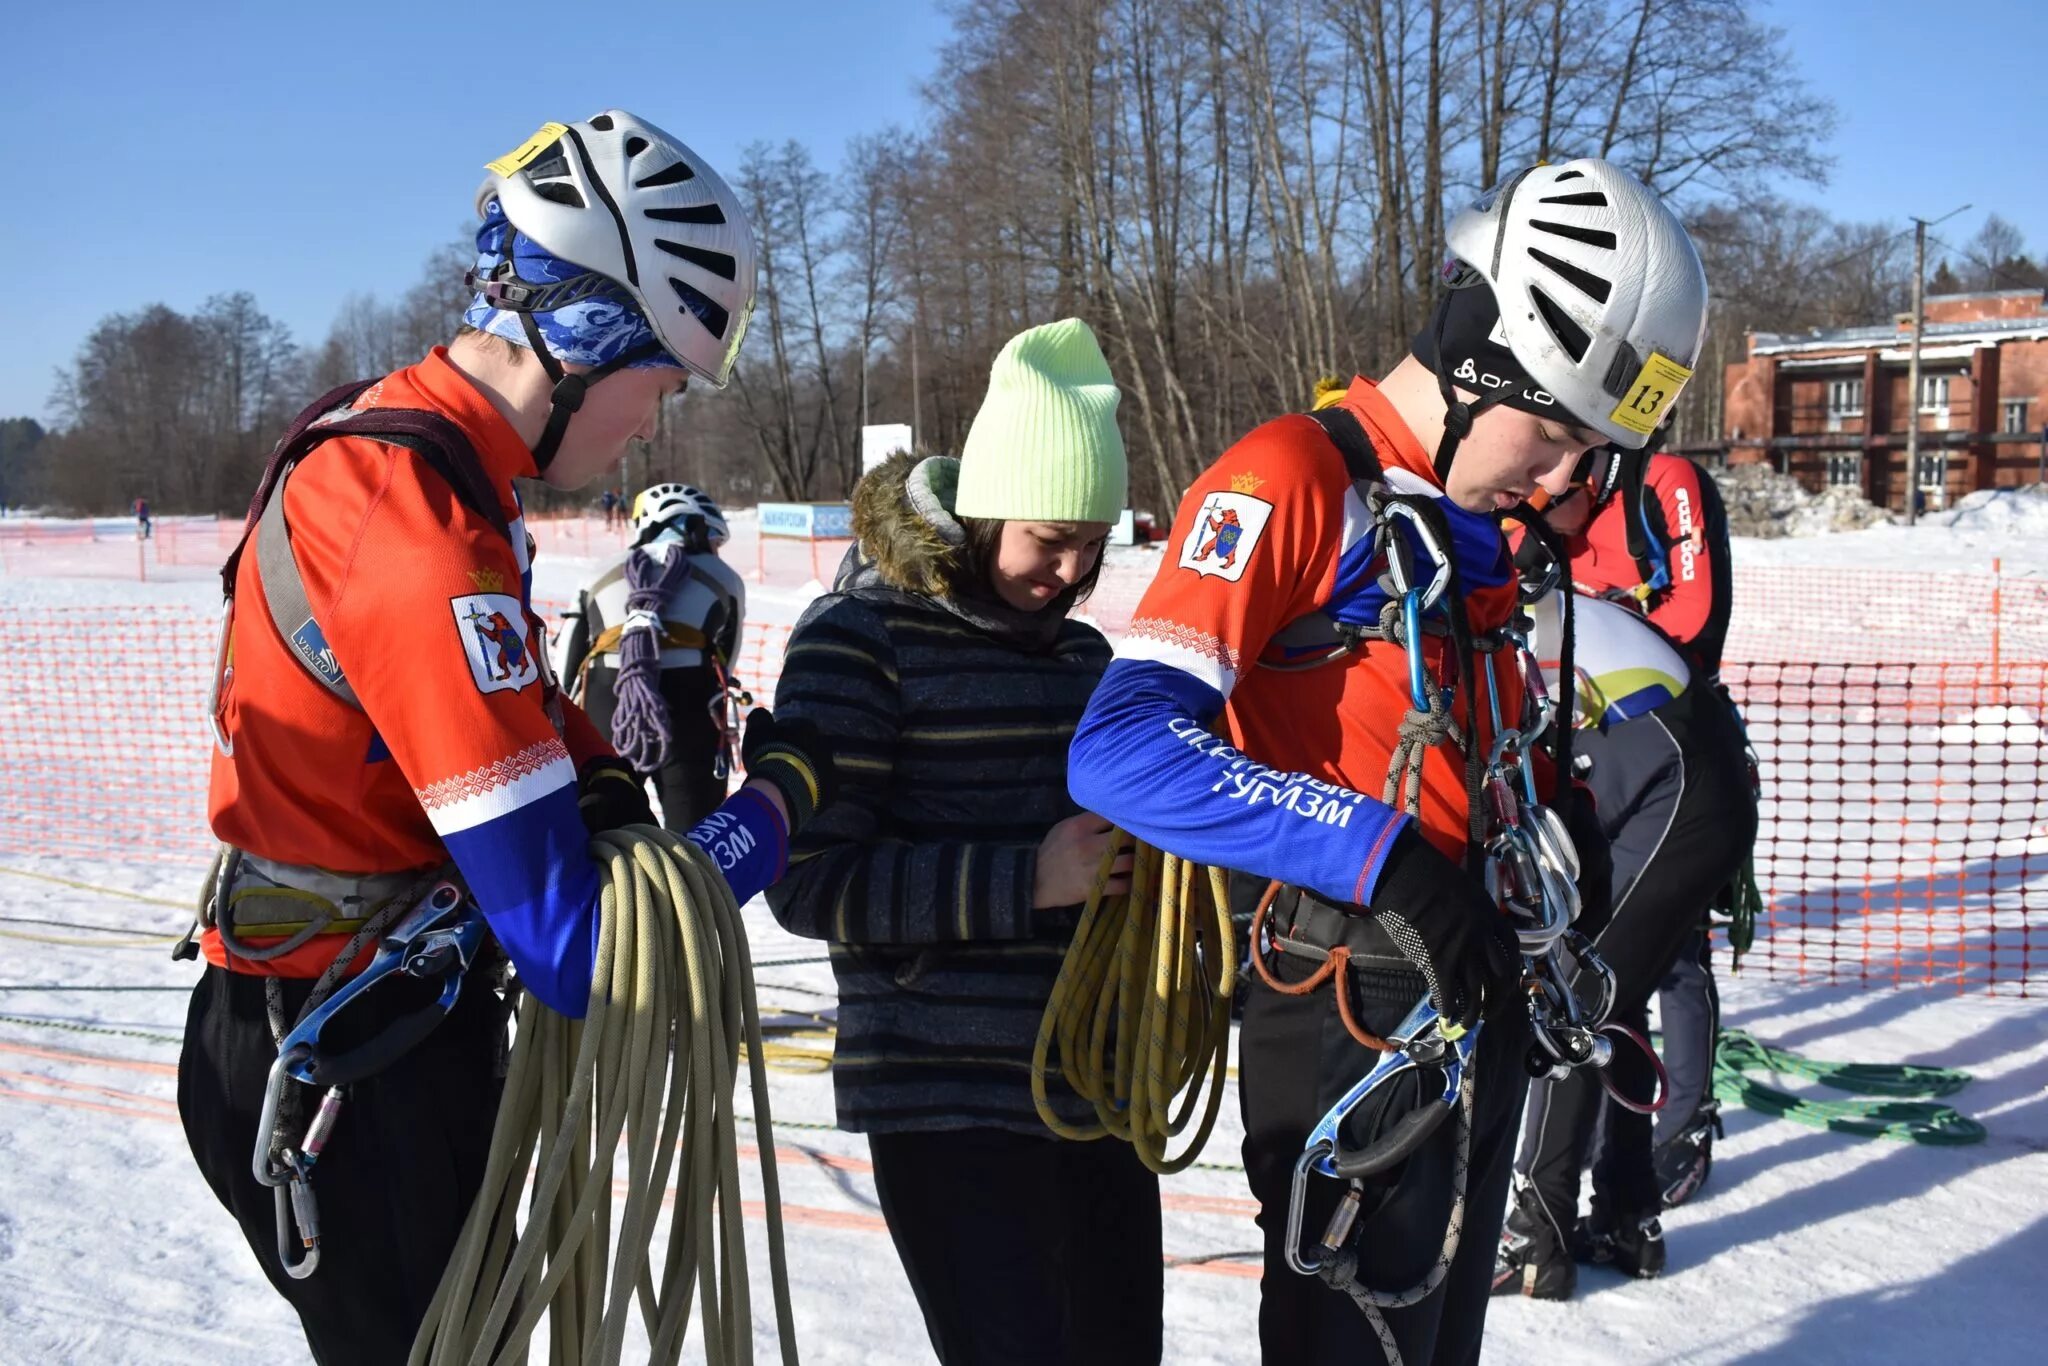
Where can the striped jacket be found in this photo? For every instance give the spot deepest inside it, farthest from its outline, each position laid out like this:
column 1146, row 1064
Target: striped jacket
column 951, row 722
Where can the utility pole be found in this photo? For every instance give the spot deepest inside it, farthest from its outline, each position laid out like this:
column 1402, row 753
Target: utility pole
column 1913, row 371
column 916, row 389
column 1920, row 227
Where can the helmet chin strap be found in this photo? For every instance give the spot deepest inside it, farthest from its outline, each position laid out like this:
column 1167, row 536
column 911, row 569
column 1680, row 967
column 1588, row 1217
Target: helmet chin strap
column 567, row 398
column 1458, row 414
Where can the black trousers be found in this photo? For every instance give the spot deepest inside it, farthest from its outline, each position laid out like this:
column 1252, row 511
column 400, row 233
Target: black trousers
column 1689, row 1004
column 1024, row 1249
column 400, row 1171
column 686, row 785
column 1296, row 1061
column 1674, row 798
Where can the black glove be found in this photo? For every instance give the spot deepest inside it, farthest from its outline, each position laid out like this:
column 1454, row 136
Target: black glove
column 1596, row 861
column 1448, row 927
column 610, row 795
column 794, row 756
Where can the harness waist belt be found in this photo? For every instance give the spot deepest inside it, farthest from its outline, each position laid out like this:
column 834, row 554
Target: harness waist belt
column 269, row 899
column 673, row 637
column 1306, row 926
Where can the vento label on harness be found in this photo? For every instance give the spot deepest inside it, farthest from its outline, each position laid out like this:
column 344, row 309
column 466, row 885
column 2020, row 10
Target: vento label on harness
column 500, row 660
column 311, row 646
column 1650, row 393
column 1225, row 530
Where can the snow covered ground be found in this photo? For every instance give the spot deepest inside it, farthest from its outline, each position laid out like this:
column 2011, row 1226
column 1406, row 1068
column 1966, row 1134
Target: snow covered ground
column 1806, row 1246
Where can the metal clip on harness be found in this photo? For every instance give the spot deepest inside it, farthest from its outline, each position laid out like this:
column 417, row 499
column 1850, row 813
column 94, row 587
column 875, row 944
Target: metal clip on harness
column 439, row 937
column 1419, row 1042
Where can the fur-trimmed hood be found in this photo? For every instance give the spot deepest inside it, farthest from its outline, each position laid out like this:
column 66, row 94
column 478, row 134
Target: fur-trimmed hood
column 906, row 538
column 903, row 520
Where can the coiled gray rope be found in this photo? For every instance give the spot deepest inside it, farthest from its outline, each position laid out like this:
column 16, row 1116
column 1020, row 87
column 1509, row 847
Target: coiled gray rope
column 640, row 722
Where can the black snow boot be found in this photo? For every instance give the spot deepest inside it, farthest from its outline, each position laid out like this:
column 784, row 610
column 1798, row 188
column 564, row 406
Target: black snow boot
column 1684, row 1159
column 1632, row 1242
column 1533, row 1259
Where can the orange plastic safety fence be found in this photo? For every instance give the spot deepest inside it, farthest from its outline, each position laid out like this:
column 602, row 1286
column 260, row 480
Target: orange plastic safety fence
column 1905, row 822
column 103, row 733
column 1886, row 616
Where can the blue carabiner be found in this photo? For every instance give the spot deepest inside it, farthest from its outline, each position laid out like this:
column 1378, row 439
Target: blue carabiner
column 1452, row 1056
column 438, row 937
column 1411, row 631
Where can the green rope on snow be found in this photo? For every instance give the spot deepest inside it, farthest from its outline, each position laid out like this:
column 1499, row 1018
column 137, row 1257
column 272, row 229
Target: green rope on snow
column 1907, row 1121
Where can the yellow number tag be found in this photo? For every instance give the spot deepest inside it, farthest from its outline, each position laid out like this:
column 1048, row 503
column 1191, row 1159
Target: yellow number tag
column 1650, row 393
column 548, row 136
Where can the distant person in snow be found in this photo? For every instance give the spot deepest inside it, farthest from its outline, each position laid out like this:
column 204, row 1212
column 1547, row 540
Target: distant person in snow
column 142, row 526
column 650, row 648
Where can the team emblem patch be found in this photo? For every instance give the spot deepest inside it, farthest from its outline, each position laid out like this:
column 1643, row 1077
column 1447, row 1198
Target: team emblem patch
column 494, row 639
column 1226, row 529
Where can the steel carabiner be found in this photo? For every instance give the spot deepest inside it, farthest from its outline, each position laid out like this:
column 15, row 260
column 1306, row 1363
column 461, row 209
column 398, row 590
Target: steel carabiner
column 1389, row 510
column 1419, row 1041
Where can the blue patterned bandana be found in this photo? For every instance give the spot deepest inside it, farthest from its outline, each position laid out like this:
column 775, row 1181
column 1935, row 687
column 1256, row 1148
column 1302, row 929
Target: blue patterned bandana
column 589, row 331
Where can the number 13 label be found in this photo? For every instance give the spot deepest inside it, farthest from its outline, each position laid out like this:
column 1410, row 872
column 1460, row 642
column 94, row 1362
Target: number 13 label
column 1650, row 394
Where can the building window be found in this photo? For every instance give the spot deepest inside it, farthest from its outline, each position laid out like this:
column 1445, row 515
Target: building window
column 1933, row 478
column 1845, row 470
column 1845, row 400
column 2015, row 415
column 1934, row 393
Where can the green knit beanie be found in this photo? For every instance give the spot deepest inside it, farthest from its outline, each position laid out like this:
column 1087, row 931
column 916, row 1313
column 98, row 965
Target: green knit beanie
column 1044, row 447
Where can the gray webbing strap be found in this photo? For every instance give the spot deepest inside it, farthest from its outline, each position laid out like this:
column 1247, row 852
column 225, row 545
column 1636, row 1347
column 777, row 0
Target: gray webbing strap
column 284, row 592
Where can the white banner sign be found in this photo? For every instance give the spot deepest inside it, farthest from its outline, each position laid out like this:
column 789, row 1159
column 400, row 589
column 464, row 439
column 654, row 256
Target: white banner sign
column 882, row 440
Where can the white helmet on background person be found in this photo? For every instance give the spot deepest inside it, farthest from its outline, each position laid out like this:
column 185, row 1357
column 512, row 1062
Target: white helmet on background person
column 1601, row 294
column 623, row 199
column 659, row 504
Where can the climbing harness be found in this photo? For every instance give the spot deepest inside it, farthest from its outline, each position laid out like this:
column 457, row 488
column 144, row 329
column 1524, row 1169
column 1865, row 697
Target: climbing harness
column 1897, row 1117
column 436, row 936
column 653, row 1062
column 1140, row 1012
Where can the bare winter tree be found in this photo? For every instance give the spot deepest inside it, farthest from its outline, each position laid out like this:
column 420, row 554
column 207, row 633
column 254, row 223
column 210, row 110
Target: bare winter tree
column 174, row 407
column 1996, row 258
column 1238, row 195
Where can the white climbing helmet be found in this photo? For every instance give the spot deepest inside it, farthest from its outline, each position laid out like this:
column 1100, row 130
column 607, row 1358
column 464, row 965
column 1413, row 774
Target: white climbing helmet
column 1602, row 296
column 618, row 196
column 659, row 503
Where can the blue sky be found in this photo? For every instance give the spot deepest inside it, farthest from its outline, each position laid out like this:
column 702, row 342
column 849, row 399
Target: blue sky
column 307, row 152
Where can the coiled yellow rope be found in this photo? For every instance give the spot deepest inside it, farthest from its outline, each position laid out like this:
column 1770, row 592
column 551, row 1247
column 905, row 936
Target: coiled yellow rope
column 1140, row 1012
column 656, row 1057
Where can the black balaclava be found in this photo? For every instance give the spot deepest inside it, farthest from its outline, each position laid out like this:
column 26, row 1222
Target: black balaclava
column 1462, row 346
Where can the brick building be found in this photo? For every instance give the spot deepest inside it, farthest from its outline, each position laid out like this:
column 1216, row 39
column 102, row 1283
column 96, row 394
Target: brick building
column 1829, row 407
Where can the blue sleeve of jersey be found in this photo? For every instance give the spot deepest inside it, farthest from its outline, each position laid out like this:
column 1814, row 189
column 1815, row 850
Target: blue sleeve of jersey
column 1144, row 758
column 749, row 842
column 529, row 871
